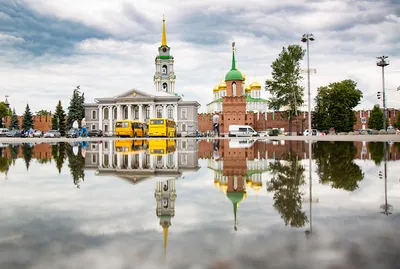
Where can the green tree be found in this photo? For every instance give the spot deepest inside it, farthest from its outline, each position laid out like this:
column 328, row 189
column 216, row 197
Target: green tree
column 287, row 178
column 27, row 121
column 335, row 164
column 284, row 86
column 396, row 124
column 377, row 151
column 27, row 153
column 4, row 162
column 58, row 153
column 14, row 123
column 375, row 120
column 334, row 106
column 76, row 109
column 58, row 121
column 43, row 113
column 4, row 111
column 13, row 152
column 76, row 164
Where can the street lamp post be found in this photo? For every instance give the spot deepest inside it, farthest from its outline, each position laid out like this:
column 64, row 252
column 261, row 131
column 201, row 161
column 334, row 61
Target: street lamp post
column 307, row 38
column 382, row 62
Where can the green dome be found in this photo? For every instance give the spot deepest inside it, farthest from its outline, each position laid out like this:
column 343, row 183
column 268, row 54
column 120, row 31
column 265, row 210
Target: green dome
column 235, row 197
column 234, row 75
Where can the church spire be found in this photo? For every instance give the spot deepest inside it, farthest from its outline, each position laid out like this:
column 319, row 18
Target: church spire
column 233, row 57
column 165, row 231
column 164, row 33
column 235, row 206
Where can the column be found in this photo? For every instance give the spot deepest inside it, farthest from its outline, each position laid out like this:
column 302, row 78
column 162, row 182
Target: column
column 165, row 111
column 100, row 118
column 165, row 161
column 119, row 112
column 140, row 160
column 140, row 112
column 130, row 112
column 130, row 161
column 110, row 154
column 176, row 160
column 176, row 112
column 119, row 157
column 100, row 155
column 111, row 117
column 151, row 111
column 151, row 162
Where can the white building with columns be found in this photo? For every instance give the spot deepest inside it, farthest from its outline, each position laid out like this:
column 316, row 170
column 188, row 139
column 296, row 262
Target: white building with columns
column 162, row 102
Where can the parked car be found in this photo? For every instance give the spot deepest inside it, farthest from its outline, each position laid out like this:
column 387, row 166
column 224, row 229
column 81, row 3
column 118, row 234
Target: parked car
column 313, row 132
column 72, row 133
column 96, row 133
column 4, row 132
column 14, row 133
column 38, row 134
column 241, row 130
column 52, row 134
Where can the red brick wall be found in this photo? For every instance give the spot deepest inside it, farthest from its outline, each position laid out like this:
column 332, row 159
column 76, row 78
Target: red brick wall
column 239, row 88
column 234, row 112
column 40, row 151
column 391, row 114
column 42, row 123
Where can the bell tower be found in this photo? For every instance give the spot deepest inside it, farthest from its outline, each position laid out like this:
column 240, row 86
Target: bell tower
column 164, row 77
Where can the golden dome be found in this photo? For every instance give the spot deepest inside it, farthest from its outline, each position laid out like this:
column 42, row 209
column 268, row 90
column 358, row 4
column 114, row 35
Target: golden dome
column 248, row 183
column 247, row 88
column 215, row 89
column 222, row 85
column 224, row 187
column 257, row 187
column 255, row 85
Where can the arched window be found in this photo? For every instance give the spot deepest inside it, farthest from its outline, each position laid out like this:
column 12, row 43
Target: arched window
column 136, row 112
column 235, row 183
column 165, row 86
column 126, row 116
column 164, row 70
column 170, row 112
column 105, row 113
column 159, row 111
column 165, row 202
column 234, row 89
column 148, row 112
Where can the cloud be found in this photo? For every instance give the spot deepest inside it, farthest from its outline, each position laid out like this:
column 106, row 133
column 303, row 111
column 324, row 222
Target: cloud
column 107, row 47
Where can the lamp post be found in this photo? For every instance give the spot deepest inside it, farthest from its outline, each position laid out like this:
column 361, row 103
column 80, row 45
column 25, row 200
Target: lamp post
column 307, row 38
column 387, row 208
column 382, row 62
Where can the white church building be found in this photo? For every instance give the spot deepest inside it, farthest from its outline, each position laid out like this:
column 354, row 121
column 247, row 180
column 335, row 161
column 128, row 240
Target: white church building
column 135, row 104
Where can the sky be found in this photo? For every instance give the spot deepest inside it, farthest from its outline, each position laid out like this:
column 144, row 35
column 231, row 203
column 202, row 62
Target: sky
column 47, row 47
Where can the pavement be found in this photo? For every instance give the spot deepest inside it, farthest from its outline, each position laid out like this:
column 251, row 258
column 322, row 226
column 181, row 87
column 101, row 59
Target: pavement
column 392, row 138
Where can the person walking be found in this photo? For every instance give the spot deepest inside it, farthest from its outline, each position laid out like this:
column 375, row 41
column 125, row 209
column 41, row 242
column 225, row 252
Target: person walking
column 84, row 130
column 215, row 120
column 75, row 126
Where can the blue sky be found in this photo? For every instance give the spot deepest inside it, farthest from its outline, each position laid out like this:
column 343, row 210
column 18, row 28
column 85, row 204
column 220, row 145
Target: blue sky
column 108, row 47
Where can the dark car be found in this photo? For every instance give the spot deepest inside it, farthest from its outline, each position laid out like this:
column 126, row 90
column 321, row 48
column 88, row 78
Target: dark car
column 72, row 133
column 14, row 133
column 95, row 133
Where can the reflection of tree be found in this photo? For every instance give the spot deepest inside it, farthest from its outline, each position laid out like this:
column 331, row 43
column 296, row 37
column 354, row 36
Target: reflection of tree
column 4, row 162
column 60, row 156
column 376, row 150
column 287, row 177
column 76, row 165
column 397, row 144
column 27, row 153
column 13, row 152
column 335, row 164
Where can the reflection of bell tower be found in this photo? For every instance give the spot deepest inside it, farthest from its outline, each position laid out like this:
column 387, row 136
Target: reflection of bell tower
column 165, row 195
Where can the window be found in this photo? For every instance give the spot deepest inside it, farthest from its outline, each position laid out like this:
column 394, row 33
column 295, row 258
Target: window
column 114, row 113
column 183, row 145
column 183, row 127
column 93, row 146
column 94, row 158
column 234, row 89
column 94, row 114
column 136, row 112
column 184, row 113
column 170, row 162
column 184, row 158
column 126, row 115
column 165, row 86
column 106, row 145
column 170, row 112
column 106, row 128
column 93, row 126
column 147, row 112
column 165, row 202
column 105, row 114
column 159, row 110
column 164, row 70
column 157, row 122
column 121, row 124
column 165, row 186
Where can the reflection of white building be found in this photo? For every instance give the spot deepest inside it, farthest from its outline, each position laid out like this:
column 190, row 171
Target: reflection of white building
column 140, row 165
column 165, row 195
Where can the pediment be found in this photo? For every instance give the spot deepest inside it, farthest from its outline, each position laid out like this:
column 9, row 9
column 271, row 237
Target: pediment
column 134, row 93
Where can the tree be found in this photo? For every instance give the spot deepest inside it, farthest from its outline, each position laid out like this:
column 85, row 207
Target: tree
column 334, row 106
column 397, row 122
column 287, row 178
column 58, row 121
column 76, row 164
column 27, row 153
column 335, row 164
column 4, row 110
column 43, row 113
column 4, row 162
column 14, row 123
column 76, row 109
column 58, row 153
column 284, row 85
column 27, row 121
column 14, row 149
column 375, row 120
column 377, row 151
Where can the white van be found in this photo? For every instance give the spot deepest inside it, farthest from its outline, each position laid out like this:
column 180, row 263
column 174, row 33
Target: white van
column 241, row 130
column 4, row 132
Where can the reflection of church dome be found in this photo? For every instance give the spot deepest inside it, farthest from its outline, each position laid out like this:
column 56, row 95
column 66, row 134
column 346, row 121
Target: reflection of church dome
column 215, row 89
column 222, row 85
column 217, row 183
column 248, row 183
column 236, row 198
column 256, row 186
column 255, row 85
column 224, row 186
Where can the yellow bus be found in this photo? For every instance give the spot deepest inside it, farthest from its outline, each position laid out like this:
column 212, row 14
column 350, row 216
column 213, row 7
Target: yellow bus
column 162, row 146
column 130, row 128
column 162, row 127
column 130, row 146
